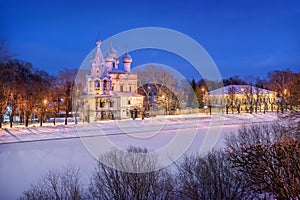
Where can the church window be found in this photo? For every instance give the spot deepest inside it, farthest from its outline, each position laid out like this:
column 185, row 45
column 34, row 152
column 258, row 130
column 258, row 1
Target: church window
column 111, row 104
column 114, row 66
column 101, row 104
column 105, row 85
column 129, row 88
column 121, row 88
column 97, row 84
column 129, row 102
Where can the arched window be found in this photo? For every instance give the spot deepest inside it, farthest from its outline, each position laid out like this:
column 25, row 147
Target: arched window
column 105, row 85
column 97, row 84
column 101, row 104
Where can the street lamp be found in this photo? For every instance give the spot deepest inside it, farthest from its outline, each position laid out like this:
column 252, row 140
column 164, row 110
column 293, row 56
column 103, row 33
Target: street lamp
column 203, row 93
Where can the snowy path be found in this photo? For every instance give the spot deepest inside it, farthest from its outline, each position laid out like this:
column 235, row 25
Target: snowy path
column 27, row 154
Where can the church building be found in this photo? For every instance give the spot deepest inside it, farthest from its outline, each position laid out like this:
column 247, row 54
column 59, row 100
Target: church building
column 111, row 91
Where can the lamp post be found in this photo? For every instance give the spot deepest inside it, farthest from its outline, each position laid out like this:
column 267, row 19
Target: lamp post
column 203, row 92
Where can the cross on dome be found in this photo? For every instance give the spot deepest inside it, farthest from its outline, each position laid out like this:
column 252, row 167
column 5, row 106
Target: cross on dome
column 98, row 43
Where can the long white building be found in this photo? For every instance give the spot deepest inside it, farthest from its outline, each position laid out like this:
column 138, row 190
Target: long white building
column 242, row 98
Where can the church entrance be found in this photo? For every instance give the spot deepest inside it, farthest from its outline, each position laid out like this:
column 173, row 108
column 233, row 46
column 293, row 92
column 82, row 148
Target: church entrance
column 134, row 113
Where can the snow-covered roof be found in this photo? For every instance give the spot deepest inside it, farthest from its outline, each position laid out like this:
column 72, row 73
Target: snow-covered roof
column 239, row 89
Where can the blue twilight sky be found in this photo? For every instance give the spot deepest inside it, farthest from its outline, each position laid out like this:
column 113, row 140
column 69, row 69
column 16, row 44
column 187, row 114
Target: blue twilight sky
column 242, row 37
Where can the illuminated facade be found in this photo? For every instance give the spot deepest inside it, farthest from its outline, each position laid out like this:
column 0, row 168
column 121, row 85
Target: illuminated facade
column 111, row 92
column 241, row 98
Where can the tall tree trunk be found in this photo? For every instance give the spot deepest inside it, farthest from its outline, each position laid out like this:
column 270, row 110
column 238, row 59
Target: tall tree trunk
column 41, row 120
column 11, row 119
column 1, row 120
column 26, row 115
column 76, row 117
column 66, row 118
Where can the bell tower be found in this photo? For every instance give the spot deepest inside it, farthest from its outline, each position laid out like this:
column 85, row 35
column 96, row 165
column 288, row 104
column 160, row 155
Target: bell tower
column 98, row 64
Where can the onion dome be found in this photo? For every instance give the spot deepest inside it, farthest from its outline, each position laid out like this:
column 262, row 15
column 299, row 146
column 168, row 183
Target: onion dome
column 113, row 52
column 108, row 57
column 126, row 58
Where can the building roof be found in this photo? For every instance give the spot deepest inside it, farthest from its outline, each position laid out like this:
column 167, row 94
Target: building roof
column 239, row 89
column 117, row 71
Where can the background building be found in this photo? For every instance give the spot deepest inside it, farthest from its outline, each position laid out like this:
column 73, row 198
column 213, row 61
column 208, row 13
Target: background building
column 242, row 98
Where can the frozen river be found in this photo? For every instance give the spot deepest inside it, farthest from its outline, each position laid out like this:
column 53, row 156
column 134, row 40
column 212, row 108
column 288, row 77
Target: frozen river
column 23, row 163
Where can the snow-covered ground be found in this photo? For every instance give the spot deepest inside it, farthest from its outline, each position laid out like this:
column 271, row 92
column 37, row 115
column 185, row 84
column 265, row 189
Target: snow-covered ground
column 34, row 132
column 28, row 153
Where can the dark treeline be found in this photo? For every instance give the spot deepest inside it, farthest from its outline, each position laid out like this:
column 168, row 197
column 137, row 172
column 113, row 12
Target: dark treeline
column 32, row 94
column 28, row 94
column 259, row 162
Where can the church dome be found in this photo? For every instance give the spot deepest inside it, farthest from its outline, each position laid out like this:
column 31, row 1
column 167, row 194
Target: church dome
column 126, row 58
column 108, row 57
column 114, row 53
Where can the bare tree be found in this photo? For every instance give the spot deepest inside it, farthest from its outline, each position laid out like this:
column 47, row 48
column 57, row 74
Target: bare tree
column 293, row 93
column 5, row 56
column 279, row 81
column 4, row 83
column 249, row 101
column 61, row 185
column 120, row 183
column 5, row 89
column 230, row 99
column 163, row 81
column 190, row 92
column 234, row 80
column 66, row 80
column 268, row 156
column 143, row 83
column 209, row 177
